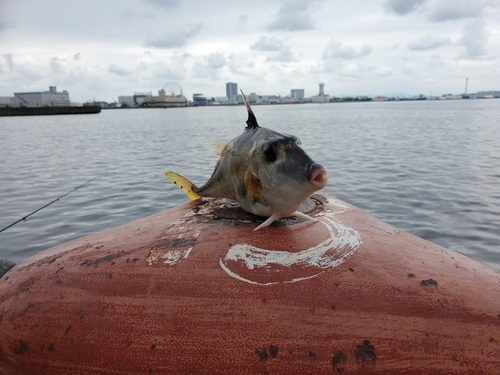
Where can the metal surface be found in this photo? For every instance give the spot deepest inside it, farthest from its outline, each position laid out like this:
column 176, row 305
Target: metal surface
column 194, row 290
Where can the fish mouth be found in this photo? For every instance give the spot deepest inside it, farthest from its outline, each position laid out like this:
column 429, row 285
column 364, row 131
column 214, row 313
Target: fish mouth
column 318, row 177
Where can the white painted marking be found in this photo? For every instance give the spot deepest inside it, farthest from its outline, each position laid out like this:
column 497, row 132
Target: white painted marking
column 242, row 259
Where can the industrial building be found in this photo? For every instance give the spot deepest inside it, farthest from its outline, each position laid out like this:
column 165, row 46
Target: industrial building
column 321, row 97
column 135, row 100
column 50, row 98
column 164, row 100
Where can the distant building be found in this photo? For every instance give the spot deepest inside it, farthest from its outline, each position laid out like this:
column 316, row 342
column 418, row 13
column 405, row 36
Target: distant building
column 5, row 101
column 232, row 91
column 297, row 94
column 200, row 100
column 140, row 96
column 487, row 94
column 126, row 101
column 163, row 100
column 50, row 98
column 254, row 98
column 321, row 97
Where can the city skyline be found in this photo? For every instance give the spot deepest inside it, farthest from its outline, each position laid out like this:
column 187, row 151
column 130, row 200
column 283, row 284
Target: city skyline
column 408, row 47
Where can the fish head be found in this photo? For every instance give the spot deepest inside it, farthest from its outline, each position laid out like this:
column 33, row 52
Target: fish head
column 280, row 176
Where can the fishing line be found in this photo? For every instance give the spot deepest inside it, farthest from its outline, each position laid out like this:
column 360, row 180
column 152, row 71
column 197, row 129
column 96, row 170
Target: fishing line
column 48, row 204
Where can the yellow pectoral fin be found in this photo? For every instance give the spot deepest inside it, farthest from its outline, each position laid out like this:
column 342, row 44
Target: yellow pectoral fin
column 183, row 183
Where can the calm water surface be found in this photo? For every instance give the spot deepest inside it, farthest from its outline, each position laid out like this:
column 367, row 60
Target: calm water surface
column 430, row 168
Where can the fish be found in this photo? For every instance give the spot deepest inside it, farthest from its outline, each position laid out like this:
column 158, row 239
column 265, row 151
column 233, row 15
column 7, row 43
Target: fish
column 266, row 172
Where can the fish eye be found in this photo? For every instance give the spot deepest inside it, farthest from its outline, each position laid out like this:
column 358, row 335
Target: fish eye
column 269, row 152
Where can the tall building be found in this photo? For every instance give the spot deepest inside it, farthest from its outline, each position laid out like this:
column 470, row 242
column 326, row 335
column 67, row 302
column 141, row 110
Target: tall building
column 321, row 98
column 297, row 94
column 232, row 91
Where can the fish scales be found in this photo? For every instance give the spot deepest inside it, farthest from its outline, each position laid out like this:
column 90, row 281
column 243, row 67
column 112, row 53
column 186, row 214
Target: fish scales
column 266, row 172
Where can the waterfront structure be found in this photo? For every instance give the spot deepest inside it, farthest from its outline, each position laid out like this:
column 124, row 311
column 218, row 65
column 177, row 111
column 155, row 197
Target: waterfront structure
column 126, row 101
column 164, row 100
column 5, row 101
column 487, row 94
column 232, row 91
column 297, row 94
column 50, row 98
column 321, row 97
column 201, row 100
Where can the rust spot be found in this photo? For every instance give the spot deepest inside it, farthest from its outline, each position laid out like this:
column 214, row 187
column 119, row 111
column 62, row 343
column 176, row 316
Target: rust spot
column 429, row 282
column 153, row 347
column 67, row 330
column 21, row 348
column 25, row 287
column 262, row 354
column 338, row 359
column 350, row 269
column 30, row 305
column 312, row 355
column 273, row 351
column 364, row 352
column 51, row 348
column 411, row 275
column 48, row 260
column 58, row 270
column 333, row 307
column 107, row 258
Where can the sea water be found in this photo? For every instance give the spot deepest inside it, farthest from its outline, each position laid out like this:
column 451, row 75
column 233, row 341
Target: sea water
column 431, row 168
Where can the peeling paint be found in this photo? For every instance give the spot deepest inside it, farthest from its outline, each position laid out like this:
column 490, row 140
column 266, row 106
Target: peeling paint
column 291, row 267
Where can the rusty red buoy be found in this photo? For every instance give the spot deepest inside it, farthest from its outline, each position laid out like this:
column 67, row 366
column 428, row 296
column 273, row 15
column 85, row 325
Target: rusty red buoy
column 193, row 290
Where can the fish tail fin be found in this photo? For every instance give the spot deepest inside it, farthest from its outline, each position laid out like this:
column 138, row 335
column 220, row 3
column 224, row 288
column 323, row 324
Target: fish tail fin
column 184, row 184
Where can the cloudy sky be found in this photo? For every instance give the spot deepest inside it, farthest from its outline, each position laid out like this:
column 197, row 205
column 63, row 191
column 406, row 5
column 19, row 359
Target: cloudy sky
column 105, row 49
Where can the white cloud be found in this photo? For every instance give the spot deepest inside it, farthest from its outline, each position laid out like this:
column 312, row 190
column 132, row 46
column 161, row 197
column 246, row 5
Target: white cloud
column 118, row 70
column 56, row 66
column 267, row 44
column 9, row 59
column 293, row 15
column 428, row 42
column 215, row 60
column 174, row 39
column 403, row 7
column 446, row 10
column 475, row 38
column 284, row 55
column 242, row 22
column 338, row 50
column 168, row 4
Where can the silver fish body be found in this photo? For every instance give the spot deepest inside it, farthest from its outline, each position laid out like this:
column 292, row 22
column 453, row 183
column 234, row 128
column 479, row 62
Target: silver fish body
column 266, row 172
